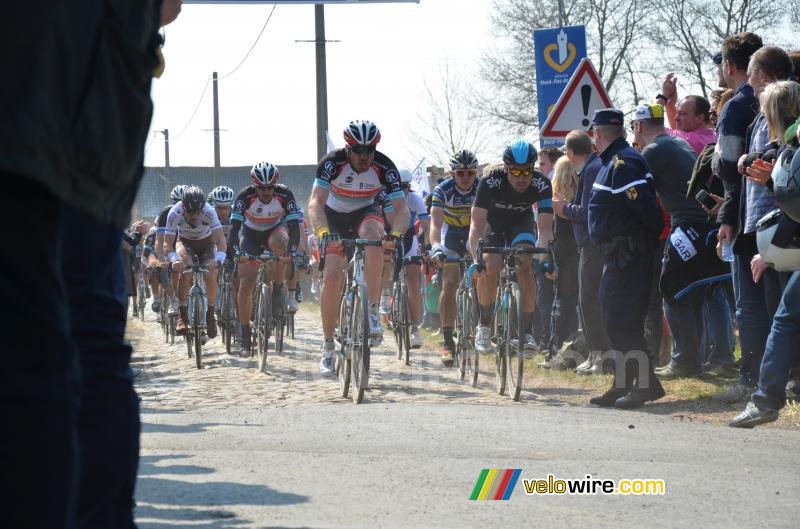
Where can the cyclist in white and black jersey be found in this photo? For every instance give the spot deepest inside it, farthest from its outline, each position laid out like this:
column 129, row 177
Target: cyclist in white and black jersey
column 161, row 228
column 221, row 199
column 196, row 226
column 267, row 216
column 342, row 206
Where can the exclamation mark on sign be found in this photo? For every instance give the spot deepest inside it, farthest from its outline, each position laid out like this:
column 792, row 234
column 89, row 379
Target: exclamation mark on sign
column 586, row 96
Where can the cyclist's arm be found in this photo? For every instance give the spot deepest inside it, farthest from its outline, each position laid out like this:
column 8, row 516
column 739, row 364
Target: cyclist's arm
column 169, row 243
column 402, row 216
column 477, row 225
column 316, row 210
column 218, row 236
column 544, row 229
column 437, row 218
column 426, row 228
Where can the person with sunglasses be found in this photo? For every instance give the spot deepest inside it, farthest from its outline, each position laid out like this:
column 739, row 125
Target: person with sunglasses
column 195, row 225
column 450, row 214
column 503, row 215
column 411, row 248
column 267, row 216
column 342, row 205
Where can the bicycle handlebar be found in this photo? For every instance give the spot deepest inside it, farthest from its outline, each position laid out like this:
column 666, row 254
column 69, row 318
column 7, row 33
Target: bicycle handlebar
column 347, row 244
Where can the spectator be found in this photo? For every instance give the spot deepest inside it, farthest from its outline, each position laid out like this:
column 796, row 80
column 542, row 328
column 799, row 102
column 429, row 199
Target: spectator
column 579, row 151
column 548, row 157
column 564, row 321
column 688, row 119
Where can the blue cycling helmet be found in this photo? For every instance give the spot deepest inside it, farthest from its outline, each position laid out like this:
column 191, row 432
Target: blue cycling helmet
column 520, row 152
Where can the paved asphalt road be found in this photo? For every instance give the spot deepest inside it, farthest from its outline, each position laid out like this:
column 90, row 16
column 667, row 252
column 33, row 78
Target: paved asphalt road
column 409, row 465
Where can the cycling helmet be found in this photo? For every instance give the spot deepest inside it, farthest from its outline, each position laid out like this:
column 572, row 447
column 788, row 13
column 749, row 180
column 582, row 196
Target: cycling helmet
column 778, row 241
column 463, row 159
column 362, row 133
column 177, row 193
column 520, row 152
column 221, row 196
column 193, row 199
column 405, row 176
column 786, row 183
column 264, row 174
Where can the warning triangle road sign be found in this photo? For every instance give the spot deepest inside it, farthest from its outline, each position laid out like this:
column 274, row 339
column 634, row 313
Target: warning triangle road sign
column 583, row 95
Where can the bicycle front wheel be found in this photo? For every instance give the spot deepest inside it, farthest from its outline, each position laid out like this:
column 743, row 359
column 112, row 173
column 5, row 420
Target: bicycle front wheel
column 500, row 355
column 514, row 341
column 406, row 325
column 343, row 358
column 360, row 346
column 197, row 330
column 279, row 308
column 262, row 327
column 397, row 320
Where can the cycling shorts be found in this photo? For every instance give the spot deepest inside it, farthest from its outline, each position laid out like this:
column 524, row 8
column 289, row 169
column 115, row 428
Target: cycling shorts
column 454, row 241
column 511, row 233
column 254, row 242
column 346, row 225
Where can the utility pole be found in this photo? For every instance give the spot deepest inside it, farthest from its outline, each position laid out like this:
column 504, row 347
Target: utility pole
column 167, row 180
column 322, row 82
column 561, row 13
column 216, row 131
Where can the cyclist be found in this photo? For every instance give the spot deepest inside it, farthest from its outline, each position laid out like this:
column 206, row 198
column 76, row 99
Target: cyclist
column 450, row 213
column 342, row 204
column 411, row 245
column 221, row 199
column 503, row 209
column 150, row 259
column 161, row 228
column 194, row 229
column 295, row 293
column 268, row 217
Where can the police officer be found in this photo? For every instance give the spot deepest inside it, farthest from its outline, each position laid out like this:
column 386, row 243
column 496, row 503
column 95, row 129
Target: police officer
column 625, row 221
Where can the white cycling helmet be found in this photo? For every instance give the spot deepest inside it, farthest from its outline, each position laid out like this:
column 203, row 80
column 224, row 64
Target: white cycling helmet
column 177, row 193
column 405, row 176
column 221, row 196
column 362, row 133
column 264, row 174
column 778, row 241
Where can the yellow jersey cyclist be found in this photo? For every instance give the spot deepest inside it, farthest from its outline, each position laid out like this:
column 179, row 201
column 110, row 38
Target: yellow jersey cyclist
column 503, row 216
column 451, row 204
column 194, row 229
column 268, row 218
column 342, row 205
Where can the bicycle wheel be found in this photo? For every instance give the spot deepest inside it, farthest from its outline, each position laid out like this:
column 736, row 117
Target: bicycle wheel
column 141, row 295
column 279, row 307
column 396, row 318
column 290, row 325
column 500, row 357
column 359, row 322
column 227, row 317
column 514, row 341
column 460, row 359
column 406, row 312
column 163, row 312
column 342, row 357
column 197, row 330
column 262, row 327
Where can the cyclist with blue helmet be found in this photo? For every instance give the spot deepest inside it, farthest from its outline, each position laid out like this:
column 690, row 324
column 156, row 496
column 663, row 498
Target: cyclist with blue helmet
column 503, row 215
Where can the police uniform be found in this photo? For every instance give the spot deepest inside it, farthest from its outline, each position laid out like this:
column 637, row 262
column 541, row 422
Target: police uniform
column 625, row 221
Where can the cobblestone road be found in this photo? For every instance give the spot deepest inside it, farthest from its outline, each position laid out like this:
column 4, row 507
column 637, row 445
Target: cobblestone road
column 170, row 380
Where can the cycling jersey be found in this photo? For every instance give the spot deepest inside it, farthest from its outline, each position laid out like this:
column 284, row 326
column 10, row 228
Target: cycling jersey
column 161, row 219
column 258, row 216
column 416, row 206
column 226, row 227
column 351, row 191
column 177, row 224
column 455, row 203
column 505, row 205
column 149, row 242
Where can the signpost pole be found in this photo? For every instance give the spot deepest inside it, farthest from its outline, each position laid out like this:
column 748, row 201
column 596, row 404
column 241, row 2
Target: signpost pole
column 322, row 82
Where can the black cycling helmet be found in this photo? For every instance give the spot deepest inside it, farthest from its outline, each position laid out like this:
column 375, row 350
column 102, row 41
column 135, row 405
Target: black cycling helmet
column 463, row 159
column 520, row 152
column 786, row 183
column 193, row 199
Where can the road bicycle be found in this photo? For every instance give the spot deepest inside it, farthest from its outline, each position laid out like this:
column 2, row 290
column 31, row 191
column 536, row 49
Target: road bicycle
column 400, row 314
column 197, row 310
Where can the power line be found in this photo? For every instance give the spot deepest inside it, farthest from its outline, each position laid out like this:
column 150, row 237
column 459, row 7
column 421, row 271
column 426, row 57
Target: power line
column 208, row 80
column 253, row 46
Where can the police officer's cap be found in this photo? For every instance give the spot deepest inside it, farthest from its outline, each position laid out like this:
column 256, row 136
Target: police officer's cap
column 608, row 116
column 717, row 58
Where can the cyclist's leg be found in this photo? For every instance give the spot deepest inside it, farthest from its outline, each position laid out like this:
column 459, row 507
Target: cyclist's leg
column 184, row 280
column 487, row 284
column 371, row 227
column 278, row 244
column 386, row 282
column 521, row 234
column 155, row 283
column 330, row 294
column 413, row 282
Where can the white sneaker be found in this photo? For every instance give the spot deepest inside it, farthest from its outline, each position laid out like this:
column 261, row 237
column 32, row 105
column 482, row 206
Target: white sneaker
column 385, row 310
column 326, row 364
column 375, row 328
column 173, row 307
column 291, row 304
column 416, row 339
column 483, row 339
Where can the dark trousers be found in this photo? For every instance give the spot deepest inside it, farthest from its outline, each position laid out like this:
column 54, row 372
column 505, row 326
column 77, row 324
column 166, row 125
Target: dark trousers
column 564, row 317
column 590, row 269
column 654, row 321
column 70, row 416
column 545, row 295
column 624, row 295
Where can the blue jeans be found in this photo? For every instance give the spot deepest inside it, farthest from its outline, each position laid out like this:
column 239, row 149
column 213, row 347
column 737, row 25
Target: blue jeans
column 752, row 317
column 718, row 326
column 781, row 352
column 69, row 447
column 686, row 322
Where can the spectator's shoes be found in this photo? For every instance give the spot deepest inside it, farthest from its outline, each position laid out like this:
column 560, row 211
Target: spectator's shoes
column 673, row 371
column 752, row 416
column 738, row 393
column 793, row 390
column 607, row 399
column 639, row 396
column 560, row 363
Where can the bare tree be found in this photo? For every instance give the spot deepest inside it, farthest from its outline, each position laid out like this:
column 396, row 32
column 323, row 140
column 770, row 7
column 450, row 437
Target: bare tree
column 449, row 123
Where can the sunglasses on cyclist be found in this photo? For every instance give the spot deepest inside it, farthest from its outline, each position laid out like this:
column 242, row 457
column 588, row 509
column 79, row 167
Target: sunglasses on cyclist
column 514, row 171
column 265, row 187
column 465, row 172
column 363, row 149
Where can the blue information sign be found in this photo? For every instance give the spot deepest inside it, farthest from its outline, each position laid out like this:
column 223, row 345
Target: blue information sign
column 558, row 53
